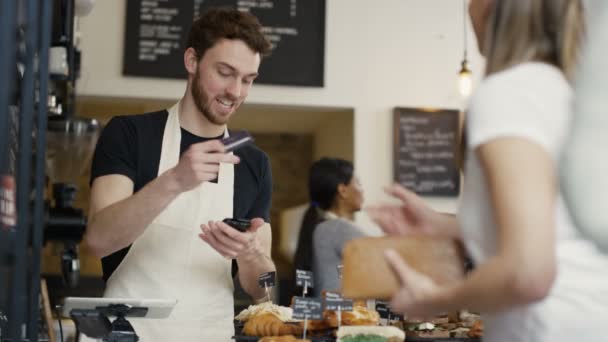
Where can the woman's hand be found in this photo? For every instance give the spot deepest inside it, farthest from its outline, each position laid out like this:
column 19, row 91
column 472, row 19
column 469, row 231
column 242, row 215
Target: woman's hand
column 413, row 216
column 417, row 290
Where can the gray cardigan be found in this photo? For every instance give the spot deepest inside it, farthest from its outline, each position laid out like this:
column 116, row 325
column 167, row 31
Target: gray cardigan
column 328, row 240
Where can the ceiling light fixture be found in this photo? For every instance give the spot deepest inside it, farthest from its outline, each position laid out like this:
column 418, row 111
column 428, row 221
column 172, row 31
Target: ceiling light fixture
column 465, row 76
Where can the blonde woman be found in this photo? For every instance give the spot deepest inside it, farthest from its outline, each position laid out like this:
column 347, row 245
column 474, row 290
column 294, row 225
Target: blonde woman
column 537, row 278
column 584, row 167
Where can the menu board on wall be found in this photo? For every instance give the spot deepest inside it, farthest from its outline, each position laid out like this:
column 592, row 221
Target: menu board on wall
column 425, row 151
column 156, row 32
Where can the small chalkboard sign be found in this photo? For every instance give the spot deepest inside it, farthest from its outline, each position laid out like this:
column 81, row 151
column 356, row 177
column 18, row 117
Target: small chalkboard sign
column 425, row 151
column 396, row 316
column 156, row 34
column 267, row 279
column 384, row 310
column 307, row 308
column 334, row 301
column 304, row 278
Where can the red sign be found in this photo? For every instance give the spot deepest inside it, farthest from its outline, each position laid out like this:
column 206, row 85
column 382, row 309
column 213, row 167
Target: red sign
column 8, row 211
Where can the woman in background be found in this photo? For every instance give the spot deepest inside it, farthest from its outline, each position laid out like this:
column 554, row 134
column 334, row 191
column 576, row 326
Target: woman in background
column 336, row 195
column 537, row 278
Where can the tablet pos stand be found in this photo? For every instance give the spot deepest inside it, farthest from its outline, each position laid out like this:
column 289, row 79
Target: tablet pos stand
column 94, row 323
column 91, row 315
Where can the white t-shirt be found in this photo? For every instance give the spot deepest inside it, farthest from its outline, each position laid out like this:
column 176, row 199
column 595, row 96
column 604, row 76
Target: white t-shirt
column 584, row 165
column 532, row 101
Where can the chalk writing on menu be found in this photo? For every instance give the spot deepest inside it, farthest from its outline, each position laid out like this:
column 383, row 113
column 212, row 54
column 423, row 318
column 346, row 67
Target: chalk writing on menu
column 425, row 151
column 154, row 37
column 156, row 32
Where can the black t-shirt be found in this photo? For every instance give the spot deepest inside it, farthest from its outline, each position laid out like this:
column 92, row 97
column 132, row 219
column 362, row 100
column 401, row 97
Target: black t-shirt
column 130, row 145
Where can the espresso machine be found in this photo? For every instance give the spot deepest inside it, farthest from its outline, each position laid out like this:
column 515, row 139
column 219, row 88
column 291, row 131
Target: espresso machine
column 41, row 143
column 70, row 140
column 70, row 145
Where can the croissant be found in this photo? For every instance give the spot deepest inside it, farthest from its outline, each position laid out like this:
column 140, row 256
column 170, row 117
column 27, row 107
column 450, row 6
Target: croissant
column 255, row 326
column 315, row 325
column 269, row 325
column 477, row 330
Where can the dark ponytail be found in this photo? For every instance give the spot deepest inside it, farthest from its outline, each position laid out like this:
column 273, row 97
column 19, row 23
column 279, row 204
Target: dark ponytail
column 303, row 257
column 325, row 176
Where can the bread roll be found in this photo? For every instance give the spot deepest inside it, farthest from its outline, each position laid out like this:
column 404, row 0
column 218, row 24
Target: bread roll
column 366, row 273
column 359, row 316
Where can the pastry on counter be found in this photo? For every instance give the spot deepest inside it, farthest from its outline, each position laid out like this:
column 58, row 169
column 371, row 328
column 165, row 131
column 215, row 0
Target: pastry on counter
column 360, row 315
column 461, row 325
column 285, row 338
column 370, row 334
column 429, row 333
column 281, row 312
column 426, row 330
column 476, row 330
column 268, row 324
column 316, row 325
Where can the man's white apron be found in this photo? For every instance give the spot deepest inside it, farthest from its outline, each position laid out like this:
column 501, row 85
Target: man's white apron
column 170, row 261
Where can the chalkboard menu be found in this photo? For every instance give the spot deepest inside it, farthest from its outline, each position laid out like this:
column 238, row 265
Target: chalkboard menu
column 425, row 150
column 156, row 32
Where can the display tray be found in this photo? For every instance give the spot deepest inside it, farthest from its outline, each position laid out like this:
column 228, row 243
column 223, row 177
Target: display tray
column 241, row 338
column 331, row 339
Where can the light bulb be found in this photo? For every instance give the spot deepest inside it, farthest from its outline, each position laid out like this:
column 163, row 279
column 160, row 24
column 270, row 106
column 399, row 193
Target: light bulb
column 465, row 80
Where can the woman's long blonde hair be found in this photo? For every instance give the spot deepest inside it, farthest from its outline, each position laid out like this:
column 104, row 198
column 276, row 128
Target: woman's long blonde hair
column 549, row 31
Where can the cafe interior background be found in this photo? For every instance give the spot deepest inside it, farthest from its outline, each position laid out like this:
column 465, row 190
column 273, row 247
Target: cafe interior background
column 393, row 53
column 376, row 57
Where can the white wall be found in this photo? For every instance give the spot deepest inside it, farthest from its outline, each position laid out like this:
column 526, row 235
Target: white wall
column 379, row 54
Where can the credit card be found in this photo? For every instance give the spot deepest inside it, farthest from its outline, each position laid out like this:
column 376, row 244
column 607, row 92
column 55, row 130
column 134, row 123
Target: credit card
column 237, row 140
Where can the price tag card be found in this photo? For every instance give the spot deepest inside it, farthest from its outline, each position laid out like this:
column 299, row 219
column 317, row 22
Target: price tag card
column 267, row 279
column 304, row 277
column 307, row 308
column 385, row 312
column 396, row 316
column 382, row 308
column 334, row 300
